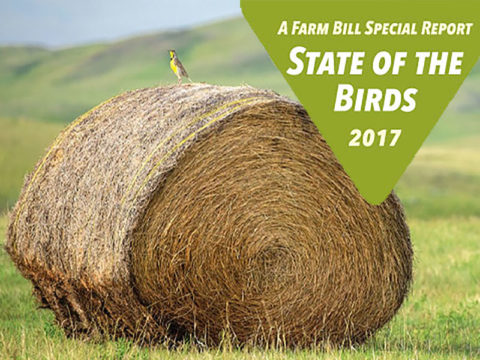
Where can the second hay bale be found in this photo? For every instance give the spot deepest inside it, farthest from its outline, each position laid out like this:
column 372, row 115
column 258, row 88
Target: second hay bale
column 194, row 209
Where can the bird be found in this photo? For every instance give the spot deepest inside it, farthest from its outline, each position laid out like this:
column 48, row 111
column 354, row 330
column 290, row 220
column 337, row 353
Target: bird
column 177, row 67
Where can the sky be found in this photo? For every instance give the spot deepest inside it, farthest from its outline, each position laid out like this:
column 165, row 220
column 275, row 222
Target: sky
column 59, row 23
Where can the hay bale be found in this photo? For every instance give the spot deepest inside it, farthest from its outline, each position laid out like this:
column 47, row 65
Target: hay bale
column 198, row 209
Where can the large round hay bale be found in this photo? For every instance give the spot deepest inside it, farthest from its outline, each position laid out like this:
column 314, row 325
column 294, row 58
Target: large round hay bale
column 201, row 211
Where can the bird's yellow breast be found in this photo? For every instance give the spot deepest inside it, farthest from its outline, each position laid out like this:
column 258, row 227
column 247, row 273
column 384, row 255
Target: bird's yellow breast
column 173, row 66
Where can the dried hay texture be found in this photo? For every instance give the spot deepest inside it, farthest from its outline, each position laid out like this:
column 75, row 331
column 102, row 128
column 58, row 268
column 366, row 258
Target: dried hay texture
column 200, row 211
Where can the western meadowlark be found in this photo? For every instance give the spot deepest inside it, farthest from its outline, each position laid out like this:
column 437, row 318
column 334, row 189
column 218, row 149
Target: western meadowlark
column 177, row 67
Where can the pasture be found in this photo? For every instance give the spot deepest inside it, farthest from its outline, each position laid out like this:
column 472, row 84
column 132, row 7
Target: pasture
column 41, row 90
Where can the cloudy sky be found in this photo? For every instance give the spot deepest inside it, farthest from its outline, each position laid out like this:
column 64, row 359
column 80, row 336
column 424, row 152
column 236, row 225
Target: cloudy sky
column 70, row 22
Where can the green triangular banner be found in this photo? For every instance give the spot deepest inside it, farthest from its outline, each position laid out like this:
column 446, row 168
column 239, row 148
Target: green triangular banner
column 374, row 76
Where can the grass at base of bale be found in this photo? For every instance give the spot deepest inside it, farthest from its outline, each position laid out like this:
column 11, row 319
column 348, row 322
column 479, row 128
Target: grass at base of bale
column 439, row 320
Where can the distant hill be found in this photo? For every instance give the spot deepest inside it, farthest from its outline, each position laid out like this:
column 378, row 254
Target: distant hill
column 58, row 85
column 61, row 84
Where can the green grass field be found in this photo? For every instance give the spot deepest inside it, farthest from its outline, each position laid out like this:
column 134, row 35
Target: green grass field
column 42, row 90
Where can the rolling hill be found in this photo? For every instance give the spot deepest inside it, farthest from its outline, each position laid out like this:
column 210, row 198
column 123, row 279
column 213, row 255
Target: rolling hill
column 58, row 85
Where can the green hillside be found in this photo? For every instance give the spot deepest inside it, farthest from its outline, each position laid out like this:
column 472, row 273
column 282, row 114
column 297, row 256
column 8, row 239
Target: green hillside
column 59, row 85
